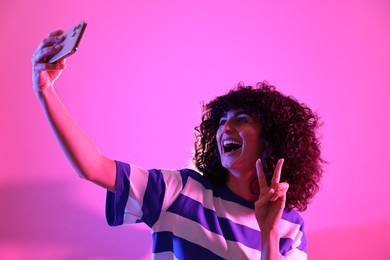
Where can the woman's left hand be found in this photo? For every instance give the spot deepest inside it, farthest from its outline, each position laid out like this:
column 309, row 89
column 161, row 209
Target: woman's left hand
column 272, row 199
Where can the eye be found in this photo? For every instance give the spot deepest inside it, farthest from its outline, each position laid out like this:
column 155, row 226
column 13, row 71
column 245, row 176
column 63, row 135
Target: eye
column 242, row 119
column 222, row 121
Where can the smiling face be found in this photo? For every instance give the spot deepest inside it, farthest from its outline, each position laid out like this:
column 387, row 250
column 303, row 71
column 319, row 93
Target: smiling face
column 238, row 140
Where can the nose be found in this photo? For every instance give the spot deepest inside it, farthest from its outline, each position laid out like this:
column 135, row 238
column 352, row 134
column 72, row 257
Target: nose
column 229, row 125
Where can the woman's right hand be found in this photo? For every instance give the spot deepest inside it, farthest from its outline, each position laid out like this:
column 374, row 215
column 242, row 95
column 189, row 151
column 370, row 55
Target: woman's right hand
column 43, row 73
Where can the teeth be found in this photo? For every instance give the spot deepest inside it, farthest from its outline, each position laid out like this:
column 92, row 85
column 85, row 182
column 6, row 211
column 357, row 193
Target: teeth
column 227, row 142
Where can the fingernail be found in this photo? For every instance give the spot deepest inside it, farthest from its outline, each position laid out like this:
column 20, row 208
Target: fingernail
column 57, row 46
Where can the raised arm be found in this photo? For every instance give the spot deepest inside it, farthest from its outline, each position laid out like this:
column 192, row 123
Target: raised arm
column 78, row 147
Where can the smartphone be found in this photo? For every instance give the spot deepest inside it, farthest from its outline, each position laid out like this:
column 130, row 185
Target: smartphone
column 71, row 42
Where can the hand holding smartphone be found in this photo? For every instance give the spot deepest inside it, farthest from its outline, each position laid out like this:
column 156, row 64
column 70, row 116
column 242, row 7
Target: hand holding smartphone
column 71, row 42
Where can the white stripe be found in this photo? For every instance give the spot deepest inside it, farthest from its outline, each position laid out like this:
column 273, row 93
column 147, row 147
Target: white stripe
column 198, row 192
column 173, row 184
column 223, row 208
column 164, row 256
column 197, row 234
column 289, row 229
column 138, row 183
column 295, row 254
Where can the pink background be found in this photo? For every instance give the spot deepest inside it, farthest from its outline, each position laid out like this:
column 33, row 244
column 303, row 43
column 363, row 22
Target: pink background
column 136, row 85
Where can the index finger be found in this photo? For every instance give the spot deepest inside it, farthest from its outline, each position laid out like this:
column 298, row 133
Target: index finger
column 55, row 33
column 53, row 38
column 277, row 172
column 260, row 175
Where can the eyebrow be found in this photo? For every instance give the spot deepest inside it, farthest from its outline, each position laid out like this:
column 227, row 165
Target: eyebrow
column 237, row 113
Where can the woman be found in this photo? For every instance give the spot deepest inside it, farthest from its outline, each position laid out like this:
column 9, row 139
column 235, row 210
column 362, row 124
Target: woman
column 238, row 204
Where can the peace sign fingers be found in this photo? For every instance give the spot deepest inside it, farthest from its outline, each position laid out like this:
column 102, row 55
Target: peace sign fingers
column 277, row 172
column 279, row 187
column 260, row 175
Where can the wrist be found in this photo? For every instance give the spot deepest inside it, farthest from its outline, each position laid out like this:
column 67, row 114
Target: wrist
column 42, row 92
column 270, row 244
column 270, row 236
column 271, row 231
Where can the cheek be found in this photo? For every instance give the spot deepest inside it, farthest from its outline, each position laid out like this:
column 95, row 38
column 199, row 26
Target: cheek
column 218, row 137
column 251, row 135
column 253, row 140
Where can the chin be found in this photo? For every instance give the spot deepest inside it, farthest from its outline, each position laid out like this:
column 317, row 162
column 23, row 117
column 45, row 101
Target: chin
column 232, row 166
column 240, row 166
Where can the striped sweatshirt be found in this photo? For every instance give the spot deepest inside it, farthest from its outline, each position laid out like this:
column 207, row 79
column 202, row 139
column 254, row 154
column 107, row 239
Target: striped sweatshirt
column 192, row 218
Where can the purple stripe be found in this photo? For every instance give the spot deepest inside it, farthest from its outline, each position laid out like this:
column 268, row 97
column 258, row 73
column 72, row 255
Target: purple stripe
column 116, row 201
column 240, row 233
column 285, row 245
column 303, row 245
column 153, row 198
column 292, row 216
column 193, row 210
column 220, row 191
column 181, row 248
column 185, row 173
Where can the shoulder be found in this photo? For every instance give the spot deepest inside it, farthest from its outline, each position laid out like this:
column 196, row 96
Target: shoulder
column 196, row 176
column 293, row 216
column 176, row 181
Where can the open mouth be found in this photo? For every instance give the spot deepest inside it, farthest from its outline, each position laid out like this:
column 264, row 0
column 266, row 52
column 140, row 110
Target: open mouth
column 231, row 146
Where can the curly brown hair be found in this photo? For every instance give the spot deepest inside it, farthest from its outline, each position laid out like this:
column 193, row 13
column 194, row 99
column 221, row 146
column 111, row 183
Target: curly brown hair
column 288, row 131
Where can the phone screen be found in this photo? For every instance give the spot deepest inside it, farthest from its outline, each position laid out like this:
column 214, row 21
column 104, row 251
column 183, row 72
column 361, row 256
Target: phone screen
column 71, row 42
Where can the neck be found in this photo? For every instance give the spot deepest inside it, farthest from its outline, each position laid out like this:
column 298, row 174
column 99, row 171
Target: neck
column 244, row 185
